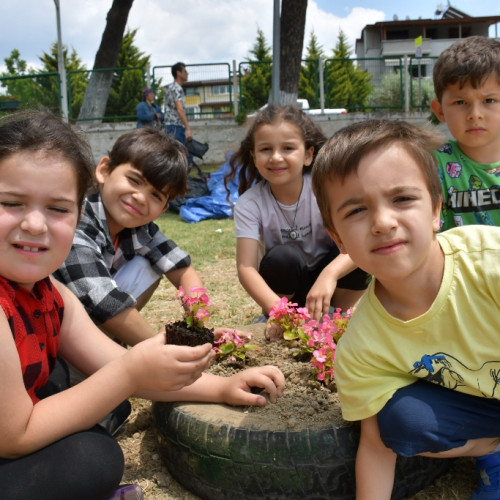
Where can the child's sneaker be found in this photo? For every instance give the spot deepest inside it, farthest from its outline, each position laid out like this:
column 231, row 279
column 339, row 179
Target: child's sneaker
column 489, row 477
column 127, row 492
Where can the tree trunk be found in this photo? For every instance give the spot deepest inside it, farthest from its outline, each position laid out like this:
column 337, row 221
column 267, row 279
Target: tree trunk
column 292, row 27
column 97, row 92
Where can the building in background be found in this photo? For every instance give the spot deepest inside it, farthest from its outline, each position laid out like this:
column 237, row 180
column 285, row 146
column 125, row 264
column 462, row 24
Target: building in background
column 395, row 39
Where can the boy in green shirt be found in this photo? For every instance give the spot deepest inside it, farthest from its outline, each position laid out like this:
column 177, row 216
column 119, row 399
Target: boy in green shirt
column 467, row 86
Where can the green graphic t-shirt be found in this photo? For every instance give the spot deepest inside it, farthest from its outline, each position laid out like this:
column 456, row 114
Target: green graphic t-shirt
column 471, row 191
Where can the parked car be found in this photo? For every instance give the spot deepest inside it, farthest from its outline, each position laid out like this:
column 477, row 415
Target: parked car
column 304, row 105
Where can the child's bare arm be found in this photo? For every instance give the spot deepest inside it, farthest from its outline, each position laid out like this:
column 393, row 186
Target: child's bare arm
column 150, row 369
column 187, row 277
column 119, row 373
column 129, row 326
column 234, row 390
column 375, row 464
column 320, row 295
column 248, row 274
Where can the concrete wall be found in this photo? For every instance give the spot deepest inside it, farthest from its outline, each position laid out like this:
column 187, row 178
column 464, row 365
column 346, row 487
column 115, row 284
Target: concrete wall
column 225, row 135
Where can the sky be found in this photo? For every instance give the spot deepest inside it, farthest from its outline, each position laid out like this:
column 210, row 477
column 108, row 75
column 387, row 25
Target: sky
column 198, row 31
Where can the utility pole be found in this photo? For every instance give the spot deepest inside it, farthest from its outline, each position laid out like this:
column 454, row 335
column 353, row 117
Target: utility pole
column 275, row 78
column 60, row 65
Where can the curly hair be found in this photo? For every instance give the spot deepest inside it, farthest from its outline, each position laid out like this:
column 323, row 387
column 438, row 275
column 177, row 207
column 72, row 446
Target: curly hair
column 248, row 173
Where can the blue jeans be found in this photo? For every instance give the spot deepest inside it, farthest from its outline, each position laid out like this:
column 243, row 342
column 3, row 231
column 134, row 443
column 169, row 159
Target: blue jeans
column 179, row 133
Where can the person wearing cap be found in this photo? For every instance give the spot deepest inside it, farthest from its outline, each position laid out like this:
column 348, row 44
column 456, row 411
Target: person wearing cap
column 148, row 112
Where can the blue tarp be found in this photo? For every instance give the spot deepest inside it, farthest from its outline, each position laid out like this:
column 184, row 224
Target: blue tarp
column 214, row 205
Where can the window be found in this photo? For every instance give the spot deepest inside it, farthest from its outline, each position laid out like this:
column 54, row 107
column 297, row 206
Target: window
column 219, row 89
column 193, row 112
column 192, row 91
column 397, row 34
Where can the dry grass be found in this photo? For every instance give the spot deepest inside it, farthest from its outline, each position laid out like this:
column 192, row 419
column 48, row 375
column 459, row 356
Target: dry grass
column 211, row 245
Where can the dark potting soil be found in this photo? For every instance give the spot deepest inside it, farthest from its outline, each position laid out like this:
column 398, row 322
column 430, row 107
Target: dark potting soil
column 178, row 333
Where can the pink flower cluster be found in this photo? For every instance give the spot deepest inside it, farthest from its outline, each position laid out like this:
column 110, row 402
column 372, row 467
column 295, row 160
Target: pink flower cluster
column 231, row 345
column 289, row 317
column 197, row 307
column 319, row 338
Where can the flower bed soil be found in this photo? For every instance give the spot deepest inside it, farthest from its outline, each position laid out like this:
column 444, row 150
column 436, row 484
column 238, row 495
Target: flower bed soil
column 306, row 401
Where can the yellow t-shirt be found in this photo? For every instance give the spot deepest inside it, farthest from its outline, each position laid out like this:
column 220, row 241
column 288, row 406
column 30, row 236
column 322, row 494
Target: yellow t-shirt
column 455, row 344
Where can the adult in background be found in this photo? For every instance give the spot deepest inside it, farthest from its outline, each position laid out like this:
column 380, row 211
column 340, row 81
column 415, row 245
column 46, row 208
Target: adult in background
column 176, row 122
column 148, row 112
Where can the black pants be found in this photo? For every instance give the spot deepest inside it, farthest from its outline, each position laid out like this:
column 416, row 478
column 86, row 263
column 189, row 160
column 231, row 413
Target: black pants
column 284, row 268
column 87, row 465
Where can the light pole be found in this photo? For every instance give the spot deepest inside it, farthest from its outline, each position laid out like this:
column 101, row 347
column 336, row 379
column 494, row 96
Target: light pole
column 275, row 77
column 60, row 65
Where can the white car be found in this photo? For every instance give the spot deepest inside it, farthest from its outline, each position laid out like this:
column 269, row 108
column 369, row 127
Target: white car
column 304, row 105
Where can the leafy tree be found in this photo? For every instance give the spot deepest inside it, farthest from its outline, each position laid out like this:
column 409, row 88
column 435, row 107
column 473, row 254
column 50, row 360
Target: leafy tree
column 77, row 81
column 96, row 94
column 18, row 82
column 255, row 84
column 15, row 65
column 348, row 85
column 308, row 80
column 292, row 24
column 126, row 86
column 389, row 93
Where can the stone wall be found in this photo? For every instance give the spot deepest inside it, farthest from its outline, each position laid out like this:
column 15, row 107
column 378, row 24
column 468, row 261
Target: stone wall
column 225, row 135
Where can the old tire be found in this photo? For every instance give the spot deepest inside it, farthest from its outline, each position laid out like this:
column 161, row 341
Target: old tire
column 221, row 452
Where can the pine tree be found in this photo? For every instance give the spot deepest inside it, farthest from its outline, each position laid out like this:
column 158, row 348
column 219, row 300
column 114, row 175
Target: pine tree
column 348, row 85
column 76, row 74
column 309, row 79
column 255, row 84
column 127, row 84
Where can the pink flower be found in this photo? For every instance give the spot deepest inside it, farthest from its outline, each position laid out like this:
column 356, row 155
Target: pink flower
column 318, row 338
column 196, row 306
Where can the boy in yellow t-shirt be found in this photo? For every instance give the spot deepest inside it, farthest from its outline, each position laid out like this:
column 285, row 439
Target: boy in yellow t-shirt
column 419, row 364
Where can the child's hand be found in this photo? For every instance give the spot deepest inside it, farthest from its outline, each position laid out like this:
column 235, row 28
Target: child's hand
column 273, row 332
column 245, row 336
column 155, row 366
column 239, row 386
column 319, row 297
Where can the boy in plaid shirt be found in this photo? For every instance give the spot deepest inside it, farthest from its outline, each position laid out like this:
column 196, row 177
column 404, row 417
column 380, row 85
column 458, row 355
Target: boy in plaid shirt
column 119, row 254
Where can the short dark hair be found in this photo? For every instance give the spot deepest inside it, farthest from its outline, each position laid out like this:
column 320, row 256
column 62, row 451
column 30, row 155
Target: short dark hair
column 343, row 152
column 177, row 67
column 157, row 155
column 45, row 133
column 470, row 60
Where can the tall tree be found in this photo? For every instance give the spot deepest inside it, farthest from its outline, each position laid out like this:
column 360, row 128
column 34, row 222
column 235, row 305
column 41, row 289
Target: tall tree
column 348, row 85
column 292, row 26
column 96, row 95
column 24, row 90
column 256, row 81
column 309, row 74
column 126, row 86
column 77, row 80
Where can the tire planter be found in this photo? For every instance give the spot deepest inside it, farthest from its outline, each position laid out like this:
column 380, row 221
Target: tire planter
column 221, row 452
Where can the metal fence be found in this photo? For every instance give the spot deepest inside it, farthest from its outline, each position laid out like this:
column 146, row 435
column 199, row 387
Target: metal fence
column 219, row 89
